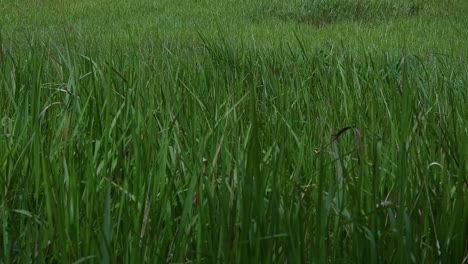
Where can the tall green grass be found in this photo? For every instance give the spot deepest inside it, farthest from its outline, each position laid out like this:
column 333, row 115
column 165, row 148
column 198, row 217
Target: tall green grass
column 231, row 153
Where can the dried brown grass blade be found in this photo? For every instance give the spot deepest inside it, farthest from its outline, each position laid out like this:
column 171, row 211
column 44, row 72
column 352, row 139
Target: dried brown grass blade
column 358, row 142
column 357, row 139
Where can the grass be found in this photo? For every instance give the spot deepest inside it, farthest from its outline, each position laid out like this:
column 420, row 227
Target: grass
column 419, row 26
column 223, row 145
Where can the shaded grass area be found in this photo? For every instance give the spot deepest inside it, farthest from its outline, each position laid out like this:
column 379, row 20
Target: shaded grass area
column 322, row 13
column 228, row 152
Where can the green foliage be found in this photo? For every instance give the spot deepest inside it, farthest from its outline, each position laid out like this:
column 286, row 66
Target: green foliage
column 224, row 154
column 127, row 138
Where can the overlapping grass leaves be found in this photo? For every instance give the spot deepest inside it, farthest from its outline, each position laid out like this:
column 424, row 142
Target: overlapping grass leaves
column 221, row 153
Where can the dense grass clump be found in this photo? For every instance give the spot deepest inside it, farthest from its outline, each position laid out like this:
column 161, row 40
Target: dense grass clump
column 326, row 12
column 228, row 152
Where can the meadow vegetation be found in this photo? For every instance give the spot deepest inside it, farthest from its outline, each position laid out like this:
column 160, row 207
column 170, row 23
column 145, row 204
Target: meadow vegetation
column 233, row 131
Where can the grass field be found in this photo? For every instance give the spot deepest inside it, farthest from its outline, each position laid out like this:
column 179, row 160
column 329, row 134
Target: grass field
column 327, row 131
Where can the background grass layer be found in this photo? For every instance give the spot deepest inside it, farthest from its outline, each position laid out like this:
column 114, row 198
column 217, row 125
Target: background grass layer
column 415, row 25
column 238, row 132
